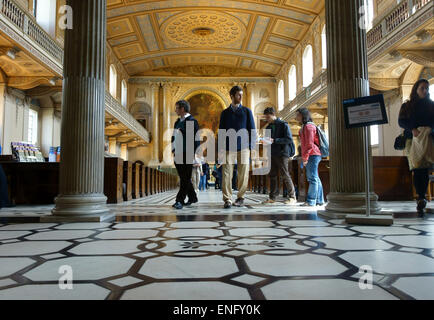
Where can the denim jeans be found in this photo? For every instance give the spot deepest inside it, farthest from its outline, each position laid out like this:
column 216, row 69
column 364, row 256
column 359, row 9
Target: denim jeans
column 202, row 183
column 315, row 194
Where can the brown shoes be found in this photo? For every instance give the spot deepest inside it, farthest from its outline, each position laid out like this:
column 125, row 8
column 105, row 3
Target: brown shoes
column 269, row 201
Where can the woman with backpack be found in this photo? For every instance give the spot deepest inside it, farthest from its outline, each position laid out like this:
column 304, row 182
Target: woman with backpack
column 416, row 117
column 311, row 157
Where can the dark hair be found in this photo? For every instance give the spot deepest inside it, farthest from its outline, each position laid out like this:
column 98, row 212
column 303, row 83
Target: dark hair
column 269, row 110
column 305, row 113
column 184, row 104
column 414, row 96
column 410, row 104
column 235, row 90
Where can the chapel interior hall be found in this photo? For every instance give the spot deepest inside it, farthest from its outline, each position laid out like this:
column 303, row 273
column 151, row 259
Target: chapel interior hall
column 94, row 94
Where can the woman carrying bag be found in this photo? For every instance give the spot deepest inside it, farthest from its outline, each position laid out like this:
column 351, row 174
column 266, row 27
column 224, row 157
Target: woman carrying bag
column 416, row 117
column 311, row 157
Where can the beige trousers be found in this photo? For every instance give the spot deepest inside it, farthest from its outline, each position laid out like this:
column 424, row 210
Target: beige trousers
column 242, row 159
column 195, row 178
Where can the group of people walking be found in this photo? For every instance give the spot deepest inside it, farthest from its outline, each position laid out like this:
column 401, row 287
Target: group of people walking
column 416, row 117
column 237, row 152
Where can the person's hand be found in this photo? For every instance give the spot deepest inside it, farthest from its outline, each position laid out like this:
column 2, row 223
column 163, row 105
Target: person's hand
column 305, row 163
column 415, row 132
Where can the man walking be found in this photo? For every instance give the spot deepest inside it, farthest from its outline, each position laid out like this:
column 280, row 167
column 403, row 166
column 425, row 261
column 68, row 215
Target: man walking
column 237, row 137
column 282, row 149
column 184, row 148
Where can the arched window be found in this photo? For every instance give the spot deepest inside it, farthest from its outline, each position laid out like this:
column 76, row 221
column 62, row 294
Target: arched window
column 124, row 93
column 113, row 81
column 281, row 95
column 292, row 83
column 324, row 48
column 307, row 66
column 45, row 14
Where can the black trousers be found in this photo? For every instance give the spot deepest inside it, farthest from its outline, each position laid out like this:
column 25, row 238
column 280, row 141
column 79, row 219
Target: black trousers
column 4, row 197
column 186, row 187
column 280, row 164
column 421, row 181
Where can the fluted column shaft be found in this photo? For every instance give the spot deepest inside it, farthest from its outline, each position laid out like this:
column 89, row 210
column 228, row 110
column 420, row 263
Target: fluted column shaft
column 347, row 67
column 155, row 123
column 167, row 107
column 82, row 133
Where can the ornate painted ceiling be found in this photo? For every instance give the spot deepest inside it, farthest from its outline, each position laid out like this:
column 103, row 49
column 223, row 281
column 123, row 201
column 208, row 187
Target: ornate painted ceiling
column 254, row 37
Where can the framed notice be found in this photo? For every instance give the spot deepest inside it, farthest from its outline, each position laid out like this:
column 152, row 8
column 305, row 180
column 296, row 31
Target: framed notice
column 365, row 112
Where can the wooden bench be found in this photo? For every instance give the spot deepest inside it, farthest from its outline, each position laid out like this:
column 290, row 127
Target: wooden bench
column 128, row 180
column 135, row 180
column 113, row 179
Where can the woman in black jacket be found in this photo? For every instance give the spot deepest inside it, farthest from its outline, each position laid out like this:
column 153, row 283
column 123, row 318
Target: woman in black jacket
column 415, row 113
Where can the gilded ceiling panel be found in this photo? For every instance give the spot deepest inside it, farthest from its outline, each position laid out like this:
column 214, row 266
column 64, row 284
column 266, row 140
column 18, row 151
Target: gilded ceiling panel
column 276, row 51
column 198, row 28
column 148, row 34
column 128, row 50
column 289, row 29
column 119, row 27
column 259, row 35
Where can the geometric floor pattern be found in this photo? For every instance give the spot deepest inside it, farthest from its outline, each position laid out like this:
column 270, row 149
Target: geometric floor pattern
column 210, row 204
column 241, row 260
column 259, row 256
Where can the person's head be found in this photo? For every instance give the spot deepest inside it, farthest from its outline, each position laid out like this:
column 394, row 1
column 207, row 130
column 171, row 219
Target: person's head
column 270, row 115
column 182, row 107
column 236, row 95
column 303, row 116
column 420, row 90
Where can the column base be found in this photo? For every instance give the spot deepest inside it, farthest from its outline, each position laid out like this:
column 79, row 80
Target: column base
column 341, row 204
column 108, row 217
column 374, row 220
column 80, row 208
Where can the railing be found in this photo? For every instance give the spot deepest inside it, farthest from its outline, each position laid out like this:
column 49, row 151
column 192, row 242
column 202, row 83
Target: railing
column 394, row 19
column 28, row 26
column 388, row 23
column 113, row 107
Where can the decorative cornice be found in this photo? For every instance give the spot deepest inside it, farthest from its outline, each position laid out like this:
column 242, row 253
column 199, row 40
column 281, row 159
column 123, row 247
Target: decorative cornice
column 422, row 57
column 211, row 80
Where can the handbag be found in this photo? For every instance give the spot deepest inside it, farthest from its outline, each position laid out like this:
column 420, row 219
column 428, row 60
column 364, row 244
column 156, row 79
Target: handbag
column 400, row 142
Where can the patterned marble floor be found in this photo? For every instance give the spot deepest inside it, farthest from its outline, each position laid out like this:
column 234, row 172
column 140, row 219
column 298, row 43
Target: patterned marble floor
column 210, row 204
column 262, row 255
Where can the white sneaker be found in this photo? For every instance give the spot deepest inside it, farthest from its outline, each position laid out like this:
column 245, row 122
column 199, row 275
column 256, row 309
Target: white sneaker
column 291, row 202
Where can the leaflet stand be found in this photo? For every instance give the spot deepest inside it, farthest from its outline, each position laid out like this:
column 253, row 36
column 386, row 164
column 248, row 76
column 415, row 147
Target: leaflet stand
column 364, row 112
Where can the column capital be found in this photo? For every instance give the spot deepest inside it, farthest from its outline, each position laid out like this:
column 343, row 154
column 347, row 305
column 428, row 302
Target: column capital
column 154, row 85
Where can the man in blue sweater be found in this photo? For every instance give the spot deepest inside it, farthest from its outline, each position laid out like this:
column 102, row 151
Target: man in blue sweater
column 237, row 137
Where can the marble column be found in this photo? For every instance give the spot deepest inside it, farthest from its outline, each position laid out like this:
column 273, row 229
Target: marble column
column 112, row 145
column 2, row 115
column 347, row 67
column 47, row 130
column 251, row 99
column 124, row 151
column 81, row 195
column 168, row 105
column 155, row 87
